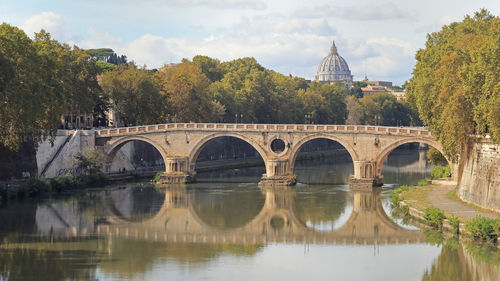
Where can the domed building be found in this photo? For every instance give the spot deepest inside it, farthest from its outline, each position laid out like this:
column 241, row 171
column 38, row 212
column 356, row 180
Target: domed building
column 334, row 68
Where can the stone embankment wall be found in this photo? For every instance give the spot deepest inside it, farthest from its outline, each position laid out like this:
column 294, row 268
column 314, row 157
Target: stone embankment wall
column 59, row 159
column 480, row 179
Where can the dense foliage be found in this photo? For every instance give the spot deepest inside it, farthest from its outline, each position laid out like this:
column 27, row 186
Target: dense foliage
column 435, row 157
column 133, row 94
column 440, row 172
column 40, row 80
column 434, row 217
column 484, row 228
column 456, row 81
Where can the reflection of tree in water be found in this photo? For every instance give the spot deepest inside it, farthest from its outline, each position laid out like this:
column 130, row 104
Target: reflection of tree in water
column 17, row 218
column 319, row 206
column 129, row 258
column 228, row 209
column 449, row 265
column 469, row 262
column 34, row 264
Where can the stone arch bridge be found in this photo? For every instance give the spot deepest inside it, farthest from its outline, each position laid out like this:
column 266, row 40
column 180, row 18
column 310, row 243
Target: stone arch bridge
column 180, row 144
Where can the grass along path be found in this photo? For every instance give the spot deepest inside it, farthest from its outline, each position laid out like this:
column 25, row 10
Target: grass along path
column 438, row 196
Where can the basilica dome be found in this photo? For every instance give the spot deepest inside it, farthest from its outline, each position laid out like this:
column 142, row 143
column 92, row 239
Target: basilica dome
column 333, row 67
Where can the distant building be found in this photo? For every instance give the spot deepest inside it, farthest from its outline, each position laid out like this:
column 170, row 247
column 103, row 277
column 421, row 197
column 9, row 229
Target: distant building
column 399, row 95
column 374, row 87
column 379, row 83
column 370, row 90
column 333, row 68
column 77, row 121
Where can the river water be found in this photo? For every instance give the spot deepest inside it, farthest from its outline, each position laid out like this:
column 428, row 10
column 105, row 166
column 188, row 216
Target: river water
column 225, row 227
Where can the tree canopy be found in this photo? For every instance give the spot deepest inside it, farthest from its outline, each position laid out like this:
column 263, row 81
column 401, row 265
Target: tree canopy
column 455, row 83
column 41, row 80
column 134, row 94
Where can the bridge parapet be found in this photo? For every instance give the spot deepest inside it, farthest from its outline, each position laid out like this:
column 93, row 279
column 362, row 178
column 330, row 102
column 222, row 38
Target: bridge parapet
column 381, row 130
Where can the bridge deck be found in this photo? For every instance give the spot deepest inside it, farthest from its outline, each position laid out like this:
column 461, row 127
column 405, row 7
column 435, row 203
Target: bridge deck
column 263, row 127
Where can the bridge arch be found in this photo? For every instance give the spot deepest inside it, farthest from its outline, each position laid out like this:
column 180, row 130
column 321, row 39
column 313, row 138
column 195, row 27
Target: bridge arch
column 198, row 147
column 115, row 146
column 298, row 146
column 388, row 149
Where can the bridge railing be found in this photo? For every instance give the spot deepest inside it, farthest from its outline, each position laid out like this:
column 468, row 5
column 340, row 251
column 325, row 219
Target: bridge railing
column 263, row 127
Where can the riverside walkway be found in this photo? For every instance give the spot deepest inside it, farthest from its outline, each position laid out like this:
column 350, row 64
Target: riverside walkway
column 438, row 197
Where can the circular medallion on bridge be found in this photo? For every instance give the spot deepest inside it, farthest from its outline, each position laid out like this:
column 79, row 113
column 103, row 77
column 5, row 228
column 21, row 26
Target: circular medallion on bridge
column 278, row 146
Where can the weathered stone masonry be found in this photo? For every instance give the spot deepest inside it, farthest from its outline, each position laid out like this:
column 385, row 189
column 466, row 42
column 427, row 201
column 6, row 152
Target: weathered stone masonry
column 180, row 144
column 480, row 178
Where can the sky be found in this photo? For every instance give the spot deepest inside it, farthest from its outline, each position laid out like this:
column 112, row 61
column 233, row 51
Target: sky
column 376, row 37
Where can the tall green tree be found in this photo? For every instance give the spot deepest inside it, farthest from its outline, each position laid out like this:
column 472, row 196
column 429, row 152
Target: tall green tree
column 325, row 102
column 245, row 91
column 456, row 81
column 70, row 76
column 210, row 67
column 26, row 111
column 134, row 94
column 185, row 88
column 384, row 109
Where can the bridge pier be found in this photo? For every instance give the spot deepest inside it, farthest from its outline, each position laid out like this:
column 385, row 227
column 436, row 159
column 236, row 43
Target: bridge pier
column 176, row 171
column 364, row 175
column 278, row 173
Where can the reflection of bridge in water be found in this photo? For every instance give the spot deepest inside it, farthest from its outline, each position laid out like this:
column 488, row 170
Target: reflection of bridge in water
column 178, row 221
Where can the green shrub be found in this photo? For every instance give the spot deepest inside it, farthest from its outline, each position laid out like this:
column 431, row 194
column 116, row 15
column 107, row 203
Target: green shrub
column 422, row 182
column 402, row 188
column 395, row 199
column 440, row 172
column 33, row 187
column 158, row 176
column 483, row 228
column 396, row 195
column 454, row 223
column 496, row 227
column 405, row 210
column 434, row 217
column 66, row 182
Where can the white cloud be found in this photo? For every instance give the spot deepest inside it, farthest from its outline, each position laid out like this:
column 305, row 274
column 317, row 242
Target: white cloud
column 223, row 4
column 368, row 12
column 50, row 21
column 383, row 58
column 104, row 38
column 445, row 20
column 436, row 26
column 312, row 26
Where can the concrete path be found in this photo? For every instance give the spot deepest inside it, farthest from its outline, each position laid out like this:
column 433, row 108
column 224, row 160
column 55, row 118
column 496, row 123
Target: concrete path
column 437, row 197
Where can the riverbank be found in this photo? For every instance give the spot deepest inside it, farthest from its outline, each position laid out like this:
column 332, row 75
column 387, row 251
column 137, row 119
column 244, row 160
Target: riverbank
column 438, row 206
